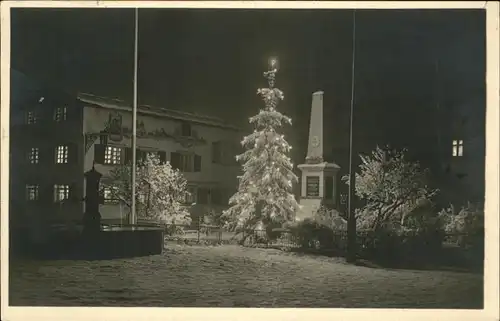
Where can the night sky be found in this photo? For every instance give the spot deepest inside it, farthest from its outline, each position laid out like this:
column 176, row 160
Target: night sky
column 211, row 61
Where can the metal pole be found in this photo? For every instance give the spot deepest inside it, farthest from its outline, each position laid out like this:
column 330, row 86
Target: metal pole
column 134, row 122
column 351, row 223
column 199, row 227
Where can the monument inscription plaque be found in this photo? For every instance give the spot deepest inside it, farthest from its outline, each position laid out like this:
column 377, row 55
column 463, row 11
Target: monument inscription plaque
column 312, row 183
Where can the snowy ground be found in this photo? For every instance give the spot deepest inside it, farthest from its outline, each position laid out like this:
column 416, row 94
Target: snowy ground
column 230, row 275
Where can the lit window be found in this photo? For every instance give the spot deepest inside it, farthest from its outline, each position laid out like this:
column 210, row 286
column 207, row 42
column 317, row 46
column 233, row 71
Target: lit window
column 61, row 193
column 112, row 155
column 109, row 196
column 32, row 192
column 62, row 154
column 31, row 117
column 33, row 155
column 60, row 114
column 458, row 148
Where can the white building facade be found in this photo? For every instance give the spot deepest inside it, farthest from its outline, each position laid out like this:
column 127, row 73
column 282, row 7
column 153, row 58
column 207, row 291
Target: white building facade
column 202, row 148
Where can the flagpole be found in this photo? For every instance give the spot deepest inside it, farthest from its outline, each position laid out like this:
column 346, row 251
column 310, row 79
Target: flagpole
column 351, row 223
column 133, row 219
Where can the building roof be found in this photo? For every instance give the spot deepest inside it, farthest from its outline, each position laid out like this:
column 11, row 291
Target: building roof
column 118, row 104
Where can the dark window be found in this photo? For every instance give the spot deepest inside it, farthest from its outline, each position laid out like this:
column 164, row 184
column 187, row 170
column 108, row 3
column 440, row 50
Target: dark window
column 175, row 160
column 203, row 195
column 31, row 117
column 216, row 196
column 186, row 163
column 197, row 163
column 163, row 157
column 216, row 153
column 191, row 195
column 60, row 114
column 186, row 129
column 140, row 155
column 224, row 153
column 128, row 155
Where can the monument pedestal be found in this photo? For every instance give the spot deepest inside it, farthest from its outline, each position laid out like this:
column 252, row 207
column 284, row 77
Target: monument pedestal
column 319, row 177
column 319, row 187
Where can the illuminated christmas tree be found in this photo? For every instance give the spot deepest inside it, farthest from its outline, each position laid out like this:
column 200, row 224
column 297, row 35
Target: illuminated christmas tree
column 264, row 197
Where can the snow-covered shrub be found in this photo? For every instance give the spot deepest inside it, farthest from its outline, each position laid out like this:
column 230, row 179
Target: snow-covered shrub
column 330, row 218
column 467, row 223
column 160, row 191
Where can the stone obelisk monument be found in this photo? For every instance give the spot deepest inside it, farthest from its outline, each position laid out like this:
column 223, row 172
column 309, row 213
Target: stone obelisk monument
column 319, row 177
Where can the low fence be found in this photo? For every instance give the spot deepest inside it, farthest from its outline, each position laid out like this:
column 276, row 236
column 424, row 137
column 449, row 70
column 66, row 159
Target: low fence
column 199, row 233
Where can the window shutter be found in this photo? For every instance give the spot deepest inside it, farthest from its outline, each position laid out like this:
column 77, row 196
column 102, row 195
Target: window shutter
column 140, row 156
column 186, row 129
column 216, row 196
column 128, row 155
column 175, row 159
column 43, row 155
column 53, row 154
column 47, row 155
column 99, row 153
column 216, row 152
column 73, row 153
column 197, row 163
column 163, row 157
column 72, row 193
column 203, row 195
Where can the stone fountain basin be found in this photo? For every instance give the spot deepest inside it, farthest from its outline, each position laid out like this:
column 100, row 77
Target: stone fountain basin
column 123, row 241
column 111, row 242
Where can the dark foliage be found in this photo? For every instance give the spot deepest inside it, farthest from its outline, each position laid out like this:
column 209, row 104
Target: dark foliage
column 309, row 234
